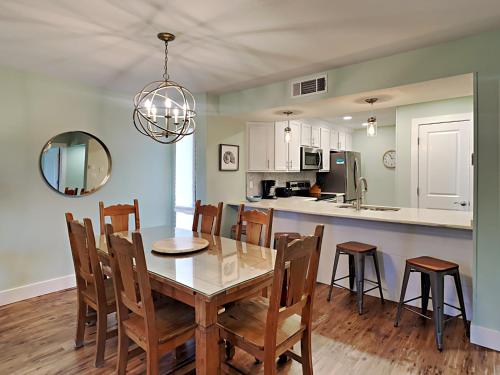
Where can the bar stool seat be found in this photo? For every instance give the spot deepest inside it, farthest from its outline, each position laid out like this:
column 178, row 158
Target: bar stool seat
column 432, row 273
column 357, row 252
column 356, row 247
column 432, row 264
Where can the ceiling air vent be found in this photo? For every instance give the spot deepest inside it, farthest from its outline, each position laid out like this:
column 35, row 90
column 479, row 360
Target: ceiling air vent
column 309, row 86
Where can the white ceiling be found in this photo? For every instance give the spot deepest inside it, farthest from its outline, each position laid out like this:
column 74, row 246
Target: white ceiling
column 222, row 44
column 333, row 109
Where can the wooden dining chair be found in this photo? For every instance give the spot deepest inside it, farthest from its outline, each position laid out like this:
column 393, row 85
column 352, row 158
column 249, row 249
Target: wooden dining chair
column 254, row 221
column 92, row 289
column 211, row 218
column 70, row 191
column 119, row 214
column 156, row 331
column 264, row 328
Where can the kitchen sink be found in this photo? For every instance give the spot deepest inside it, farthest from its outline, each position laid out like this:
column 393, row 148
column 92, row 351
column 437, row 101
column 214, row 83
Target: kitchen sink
column 371, row 208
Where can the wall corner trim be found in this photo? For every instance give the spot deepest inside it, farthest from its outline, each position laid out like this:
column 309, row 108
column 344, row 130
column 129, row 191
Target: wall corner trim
column 486, row 337
column 36, row 289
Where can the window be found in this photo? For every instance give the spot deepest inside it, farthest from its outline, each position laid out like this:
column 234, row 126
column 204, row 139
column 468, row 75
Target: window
column 184, row 182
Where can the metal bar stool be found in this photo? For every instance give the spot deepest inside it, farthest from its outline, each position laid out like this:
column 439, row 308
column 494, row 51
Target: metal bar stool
column 357, row 252
column 432, row 273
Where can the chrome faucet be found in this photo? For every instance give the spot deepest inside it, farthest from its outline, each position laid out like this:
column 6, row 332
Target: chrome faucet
column 360, row 191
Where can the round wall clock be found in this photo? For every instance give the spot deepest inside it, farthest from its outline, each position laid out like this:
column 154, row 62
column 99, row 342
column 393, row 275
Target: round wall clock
column 389, row 159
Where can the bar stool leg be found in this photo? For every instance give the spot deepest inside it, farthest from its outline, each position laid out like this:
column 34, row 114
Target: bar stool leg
column 334, row 271
column 377, row 271
column 458, row 285
column 360, row 279
column 352, row 271
column 406, row 277
column 437, row 287
column 425, row 286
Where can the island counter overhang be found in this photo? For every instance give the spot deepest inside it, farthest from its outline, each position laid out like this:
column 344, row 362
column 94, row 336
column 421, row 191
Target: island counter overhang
column 398, row 235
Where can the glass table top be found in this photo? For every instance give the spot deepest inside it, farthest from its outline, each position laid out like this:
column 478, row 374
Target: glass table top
column 223, row 265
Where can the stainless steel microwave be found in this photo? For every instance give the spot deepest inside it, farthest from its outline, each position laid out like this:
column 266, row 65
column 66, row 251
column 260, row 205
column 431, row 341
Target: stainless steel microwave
column 311, row 158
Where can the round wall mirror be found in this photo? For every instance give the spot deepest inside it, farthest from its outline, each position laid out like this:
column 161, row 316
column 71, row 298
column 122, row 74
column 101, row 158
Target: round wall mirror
column 75, row 163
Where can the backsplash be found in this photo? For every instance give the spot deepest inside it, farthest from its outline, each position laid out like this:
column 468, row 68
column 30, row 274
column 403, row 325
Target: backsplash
column 280, row 177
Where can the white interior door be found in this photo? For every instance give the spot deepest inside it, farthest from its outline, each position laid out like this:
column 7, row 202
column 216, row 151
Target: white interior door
column 445, row 165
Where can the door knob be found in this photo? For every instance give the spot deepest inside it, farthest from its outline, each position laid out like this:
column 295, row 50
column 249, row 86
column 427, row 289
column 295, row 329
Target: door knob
column 462, row 203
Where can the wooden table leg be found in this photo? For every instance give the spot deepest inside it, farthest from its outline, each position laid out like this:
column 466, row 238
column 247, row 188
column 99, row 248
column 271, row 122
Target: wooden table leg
column 207, row 337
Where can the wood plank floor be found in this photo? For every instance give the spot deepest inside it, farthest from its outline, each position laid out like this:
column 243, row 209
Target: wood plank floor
column 36, row 337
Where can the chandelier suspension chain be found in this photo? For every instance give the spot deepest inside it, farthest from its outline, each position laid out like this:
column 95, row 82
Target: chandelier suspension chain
column 165, row 67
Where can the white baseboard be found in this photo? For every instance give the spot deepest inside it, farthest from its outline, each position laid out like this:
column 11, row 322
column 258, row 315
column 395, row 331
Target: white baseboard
column 36, row 289
column 486, row 337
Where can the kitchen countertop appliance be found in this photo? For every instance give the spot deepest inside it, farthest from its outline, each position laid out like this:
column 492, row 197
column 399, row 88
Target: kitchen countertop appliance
column 268, row 189
column 311, row 158
column 299, row 188
column 283, row 192
column 345, row 170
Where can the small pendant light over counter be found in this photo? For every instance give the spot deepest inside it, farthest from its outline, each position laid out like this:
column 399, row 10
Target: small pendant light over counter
column 371, row 128
column 288, row 129
column 165, row 110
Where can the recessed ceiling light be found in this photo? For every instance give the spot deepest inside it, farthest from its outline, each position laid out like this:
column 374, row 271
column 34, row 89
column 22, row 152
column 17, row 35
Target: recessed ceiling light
column 364, row 124
column 347, row 117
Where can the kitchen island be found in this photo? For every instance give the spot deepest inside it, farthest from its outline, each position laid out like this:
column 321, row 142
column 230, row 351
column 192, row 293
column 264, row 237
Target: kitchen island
column 399, row 235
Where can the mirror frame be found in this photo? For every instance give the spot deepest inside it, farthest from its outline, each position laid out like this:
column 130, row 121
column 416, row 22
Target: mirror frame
column 104, row 181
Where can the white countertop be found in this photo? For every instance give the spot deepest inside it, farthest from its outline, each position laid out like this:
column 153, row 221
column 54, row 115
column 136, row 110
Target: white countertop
column 415, row 216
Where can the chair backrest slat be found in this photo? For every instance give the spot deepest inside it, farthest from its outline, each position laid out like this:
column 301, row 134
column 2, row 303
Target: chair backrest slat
column 85, row 260
column 255, row 222
column 119, row 215
column 302, row 257
column 211, row 218
column 131, row 279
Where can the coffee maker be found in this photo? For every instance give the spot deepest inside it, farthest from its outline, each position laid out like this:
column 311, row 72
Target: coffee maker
column 268, row 187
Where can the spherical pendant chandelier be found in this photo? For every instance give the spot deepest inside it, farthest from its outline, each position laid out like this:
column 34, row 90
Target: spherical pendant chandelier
column 165, row 110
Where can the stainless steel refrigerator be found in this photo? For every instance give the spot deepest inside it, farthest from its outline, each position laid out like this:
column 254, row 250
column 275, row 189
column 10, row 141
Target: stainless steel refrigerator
column 345, row 170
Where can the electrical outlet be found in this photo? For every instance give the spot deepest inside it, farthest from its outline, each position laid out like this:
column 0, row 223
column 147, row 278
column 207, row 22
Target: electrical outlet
column 250, row 184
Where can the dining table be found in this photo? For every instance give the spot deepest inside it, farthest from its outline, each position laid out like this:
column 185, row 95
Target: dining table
column 226, row 271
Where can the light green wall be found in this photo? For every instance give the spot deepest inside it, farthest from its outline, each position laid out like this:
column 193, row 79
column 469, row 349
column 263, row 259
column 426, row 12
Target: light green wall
column 34, row 245
column 75, row 166
column 404, row 116
column 381, row 180
column 225, row 186
column 478, row 53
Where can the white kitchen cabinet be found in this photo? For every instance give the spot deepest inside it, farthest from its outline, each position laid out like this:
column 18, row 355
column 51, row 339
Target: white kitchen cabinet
column 287, row 155
column 294, row 147
column 260, row 142
column 325, row 146
column 342, row 140
column 348, row 142
column 305, row 134
column 334, row 139
column 315, row 136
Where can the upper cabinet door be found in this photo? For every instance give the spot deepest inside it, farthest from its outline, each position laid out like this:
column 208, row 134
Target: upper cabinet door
column 342, row 141
column 315, row 136
column 305, row 134
column 348, row 142
column 260, row 142
column 334, row 139
column 280, row 147
column 294, row 147
column 325, row 146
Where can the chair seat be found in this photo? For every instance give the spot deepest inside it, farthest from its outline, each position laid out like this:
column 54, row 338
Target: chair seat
column 247, row 321
column 172, row 319
column 432, row 264
column 110, row 294
column 356, row 247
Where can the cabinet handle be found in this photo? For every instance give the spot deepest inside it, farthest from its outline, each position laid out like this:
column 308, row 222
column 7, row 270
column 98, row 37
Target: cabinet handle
column 267, row 163
column 291, row 164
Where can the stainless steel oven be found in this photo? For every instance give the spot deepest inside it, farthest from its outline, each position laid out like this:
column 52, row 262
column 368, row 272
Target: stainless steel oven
column 311, row 158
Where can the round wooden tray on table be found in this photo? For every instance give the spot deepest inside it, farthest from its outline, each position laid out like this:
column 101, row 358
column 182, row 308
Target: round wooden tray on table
column 179, row 245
